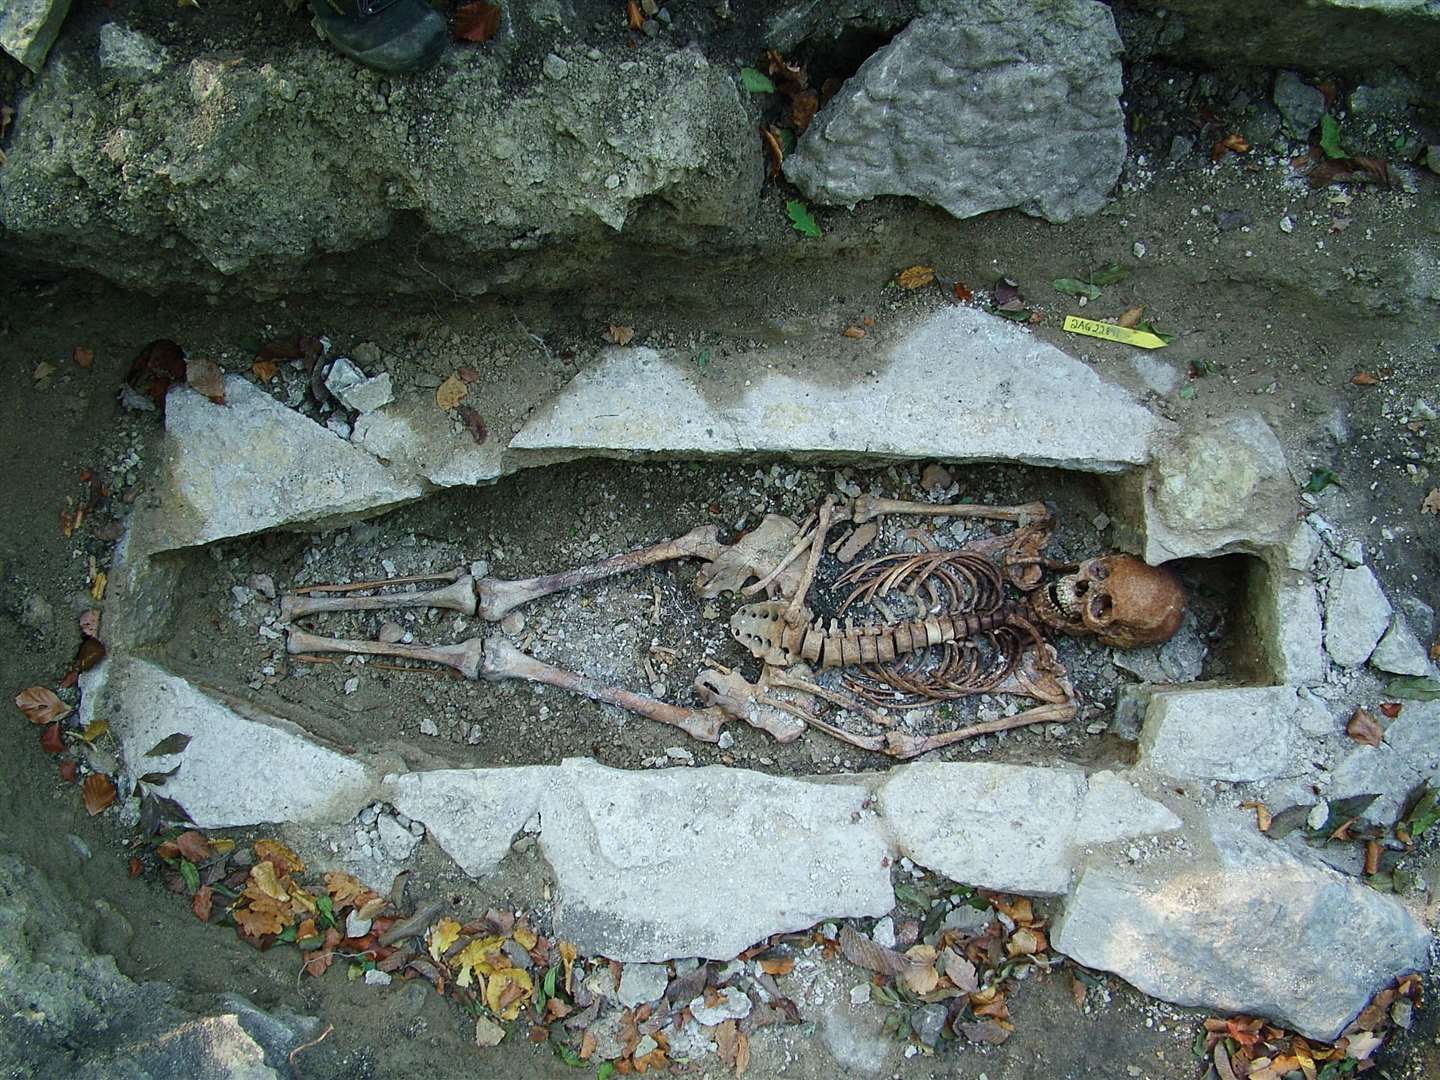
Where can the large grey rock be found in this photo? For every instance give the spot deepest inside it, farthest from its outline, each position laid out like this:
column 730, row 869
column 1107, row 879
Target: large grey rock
column 241, row 767
column 1237, row 734
column 1249, row 928
column 974, row 107
column 275, row 168
column 1408, row 755
column 252, row 464
column 1301, row 105
column 1356, row 616
column 473, row 814
column 29, row 27
column 1286, row 612
column 1400, row 652
column 963, row 386
column 1010, row 827
column 1221, row 487
column 705, row 862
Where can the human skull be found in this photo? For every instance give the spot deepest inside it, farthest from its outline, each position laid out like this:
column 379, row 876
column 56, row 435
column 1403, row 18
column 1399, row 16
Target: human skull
column 1121, row 600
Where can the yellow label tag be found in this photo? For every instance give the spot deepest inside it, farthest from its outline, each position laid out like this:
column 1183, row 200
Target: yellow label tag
column 1110, row 332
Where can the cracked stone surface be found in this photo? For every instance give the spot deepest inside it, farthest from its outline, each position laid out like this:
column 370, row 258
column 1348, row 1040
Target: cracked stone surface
column 1356, row 616
column 1237, row 734
column 1010, row 827
column 1400, row 652
column 473, row 814
column 977, row 106
column 240, row 767
column 1191, row 932
column 963, row 386
column 416, row 438
column 1407, row 755
column 254, row 464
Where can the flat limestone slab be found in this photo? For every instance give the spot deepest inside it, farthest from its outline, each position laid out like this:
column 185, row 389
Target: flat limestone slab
column 473, row 814
column 240, row 767
column 1255, row 930
column 964, row 386
column 1232, row 733
column 705, row 862
column 253, row 464
column 1011, row 827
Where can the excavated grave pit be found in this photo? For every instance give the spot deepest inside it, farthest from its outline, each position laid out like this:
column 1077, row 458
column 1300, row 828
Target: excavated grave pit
column 228, row 636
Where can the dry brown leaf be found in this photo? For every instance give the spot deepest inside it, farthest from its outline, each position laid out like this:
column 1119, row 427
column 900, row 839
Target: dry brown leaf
column 82, row 356
column 780, row 965
column 855, row 332
column 1364, row 728
column 264, row 370
column 742, row 1053
column 915, row 277
column 204, row 897
column 40, row 705
column 1020, row 910
column 862, row 952
column 193, row 846
column 774, row 150
column 1025, row 942
column 1431, row 503
column 285, row 860
column 1364, row 378
column 1130, row 318
column 1233, row 143
column 987, row 1031
column 1077, row 991
column 345, row 890
column 588, row 1043
column 205, row 377
column 267, row 881
column 52, row 740
column 633, row 19
column 474, row 423
column 98, row 793
column 1391, row 709
column 1263, row 817
column 451, row 392
column 620, row 335
column 960, row 971
column 476, row 22
column 803, row 107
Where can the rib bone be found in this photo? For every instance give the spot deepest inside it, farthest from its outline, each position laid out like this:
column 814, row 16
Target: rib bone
column 868, row 507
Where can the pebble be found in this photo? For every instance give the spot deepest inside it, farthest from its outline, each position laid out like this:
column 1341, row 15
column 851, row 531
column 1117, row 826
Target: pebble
column 859, row 995
column 352, row 684
column 1139, row 249
column 1287, row 224
column 554, row 67
column 427, row 727
column 1353, row 553
column 884, row 933
column 726, row 740
column 263, row 584
column 377, row 978
column 680, row 754
column 81, row 848
column 391, row 632
column 355, row 926
column 513, row 624
column 733, row 1005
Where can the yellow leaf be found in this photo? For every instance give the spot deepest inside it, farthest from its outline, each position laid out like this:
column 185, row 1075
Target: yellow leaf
column 442, row 935
column 524, row 937
column 97, row 587
column 259, row 919
column 568, row 953
column 451, row 392
column 345, row 890
column 1263, row 817
column 507, row 992
column 915, row 277
column 94, row 730
column 223, row 846
column 621, row 335
column 475, row 958
column 285, row 860
column 265, row 878
column 302, row 900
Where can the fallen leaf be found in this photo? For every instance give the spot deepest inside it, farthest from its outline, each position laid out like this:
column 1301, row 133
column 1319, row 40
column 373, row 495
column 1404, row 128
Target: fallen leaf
column 467, row 374
column 1362, row 1044
column 1391, row 709
column 756, row 81
column 267, row 880
column 780, row 965
column 476, row 22
column 1364, row 378
column 82, row 356
column 1431, row 503
column 855, row 332
column 1263, row 817
column 98, row 792
column 91, row 653
column 42, row 371
column 1320, row 479
column 1077, row 991
column 40, row 705
column 1234, row 143
column 52, row 740
column 193, row 845
column 258, row 919
column 1076, row 287
column 451, row 392
column 171, row 744
column 1130, row 318
column 1364, row 728
column 774, row 150
column 200, row 905
column 620, row 335
column 69, row 770
column 264, row 370
column 863, row 952
column 97, row 587
column 1025, row 942
column 963, row 292
column 803, row 107
column 991, row 1032
column 1415, row 688
column 915, row 277
column 440, row 937
column 476, row 960
column 524, row 937
column 345, row 890
column 273, row 851
column 205, row 377
column 801, row 220
column 474, row 423
column 507, row 992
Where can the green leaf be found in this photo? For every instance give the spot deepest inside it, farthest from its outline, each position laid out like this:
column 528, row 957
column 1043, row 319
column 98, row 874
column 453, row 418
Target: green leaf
column 1150, row 328
column 1187, row 392
column 567, row 1055
column 1014, row 315
column 702, row 359
column 310, row 942
column 1109, row 274
column 287, row 935
column 908, row 894
column 1320, row 479
column 157, row 779
column 1330, row 137
column 1424, row 813
column 1414, row 687
column 1343, row 810
column 550, row 977
column 1076, row 287
column 1287, row 821
column 605, row 1071
column 326, row 907
column 171, row 744
column 190, row 873
column 934, row 919
column 801, row 219
column 756, row 81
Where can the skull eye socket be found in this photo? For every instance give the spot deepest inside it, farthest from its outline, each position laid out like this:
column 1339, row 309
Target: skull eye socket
column 1100, row 606
column 1099, row 571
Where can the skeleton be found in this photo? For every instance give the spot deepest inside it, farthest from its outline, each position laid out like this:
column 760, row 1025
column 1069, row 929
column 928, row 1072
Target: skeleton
column 964, row 636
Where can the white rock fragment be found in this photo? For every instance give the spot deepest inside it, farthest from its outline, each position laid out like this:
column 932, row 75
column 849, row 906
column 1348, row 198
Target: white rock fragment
column 884, row 933
column 733, row 1005
column 396, row 839
column 1356, row 616
column 377, row 978
column 1237, row 734
column 641, row 983
column 1400, row 652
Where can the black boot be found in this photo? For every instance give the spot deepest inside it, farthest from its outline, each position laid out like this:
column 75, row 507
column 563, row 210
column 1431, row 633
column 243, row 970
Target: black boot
column 393, row 36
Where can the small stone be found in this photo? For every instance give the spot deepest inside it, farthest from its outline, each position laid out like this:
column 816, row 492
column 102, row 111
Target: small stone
column 927, row 1023
column 1356, row 616
column 680, row 754
column 646, row 1046
column 375, row 977
column 554, row 67
column 1353, row 553
column 935, row 478
column 1319, row 814
column 81, row 848
column 641, row 983
column 391, row 632
column 513, row 624
column 263, row 584
column 733, row 1005
column 1400, row 651
column 859, row 995
column 355, row 926
column 1301, row 105
column 395, row 838
column 1287, row 224
column 488, row 1032
column 884, row 933
column 352, row 684
column 650, row 28
column 726, row 740
column 427, row 727
column 128, row 55
column 649, row 7
column 1138, row 248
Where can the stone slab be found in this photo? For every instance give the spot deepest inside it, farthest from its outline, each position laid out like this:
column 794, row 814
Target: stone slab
column 1253, row 930
column 473, row 814
column 241, row 767
column 705, row 862
column 1356, row 616
column 963, row 386
column 977, row 106
column 416, row 439
column 1236, row 734
column 29, row 27
column 252, row 464
column 1010, row 827
column 1400, row 651
column 1408, row 755
column 1286, row 610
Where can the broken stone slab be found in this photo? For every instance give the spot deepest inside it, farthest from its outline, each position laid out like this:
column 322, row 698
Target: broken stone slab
column 1251, row 928
column 350, row 386
column 1010, row 827
column 1237, row 734
column 1400, row 652
column 252, row 464
column 963, row 386
column 29, row 27
column 1356, row 616
column 1285, row 609
column 705, row 862
column 240, row 767
column 417, row 439
column 1408, row 755
column 1221, row 487
column 1038, row 125
column 473, row 814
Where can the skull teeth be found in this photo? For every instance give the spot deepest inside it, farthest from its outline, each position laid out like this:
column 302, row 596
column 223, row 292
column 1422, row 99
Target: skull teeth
column 1066, row 598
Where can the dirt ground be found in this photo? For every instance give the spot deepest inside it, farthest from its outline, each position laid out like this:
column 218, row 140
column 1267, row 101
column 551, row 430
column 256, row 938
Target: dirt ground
column 1265, row 318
